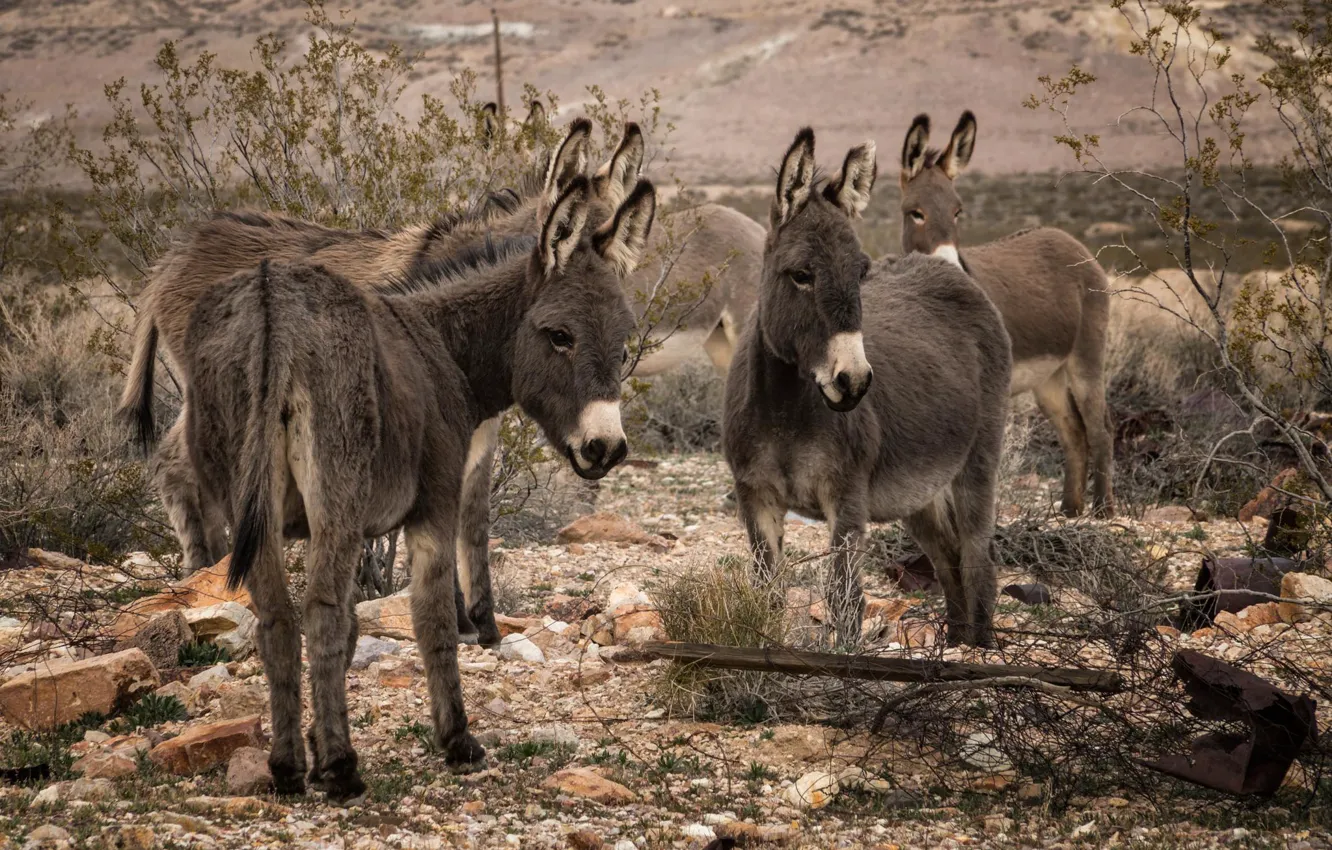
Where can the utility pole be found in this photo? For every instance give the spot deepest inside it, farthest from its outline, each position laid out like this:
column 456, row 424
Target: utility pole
column 499, row 65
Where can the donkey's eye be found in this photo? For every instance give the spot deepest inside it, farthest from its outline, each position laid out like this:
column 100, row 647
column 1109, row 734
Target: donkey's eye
column 560, row 339
column 957, row 214
column 624, row 358
column 802, row 278
column 917, row 216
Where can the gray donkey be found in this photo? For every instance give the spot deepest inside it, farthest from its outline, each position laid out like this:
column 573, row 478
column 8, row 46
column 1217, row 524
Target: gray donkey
column 899, row 415
column 1052, row 294
column 228, row 243
column 315, row 402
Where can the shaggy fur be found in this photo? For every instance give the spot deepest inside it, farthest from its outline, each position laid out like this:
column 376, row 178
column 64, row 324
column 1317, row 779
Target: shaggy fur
column 315, row 402
column 908, row 427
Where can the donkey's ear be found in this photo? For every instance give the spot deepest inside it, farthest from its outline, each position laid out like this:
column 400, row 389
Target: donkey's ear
column 622, row 239
column 564, row 226
column 570, row 159
column 490, row 124
column 795, row 180
column 536, row 119
column 958, row 153
column 913, row 149
column 618, row 176
column 850, row 189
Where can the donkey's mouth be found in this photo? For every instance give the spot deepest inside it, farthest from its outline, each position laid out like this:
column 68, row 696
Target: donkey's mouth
column 839, row 401
column 597, row 470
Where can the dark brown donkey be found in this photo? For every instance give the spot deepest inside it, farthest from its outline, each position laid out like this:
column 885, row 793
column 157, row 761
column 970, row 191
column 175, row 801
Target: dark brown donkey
column 315, row 402
column 227, row 243
column 1052, row 294
column 898, row 416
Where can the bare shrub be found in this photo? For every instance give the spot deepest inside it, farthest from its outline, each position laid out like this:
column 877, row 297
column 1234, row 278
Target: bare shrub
column 679, row 411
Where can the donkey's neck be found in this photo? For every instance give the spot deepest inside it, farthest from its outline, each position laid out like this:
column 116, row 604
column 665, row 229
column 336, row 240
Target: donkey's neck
column 477, row 320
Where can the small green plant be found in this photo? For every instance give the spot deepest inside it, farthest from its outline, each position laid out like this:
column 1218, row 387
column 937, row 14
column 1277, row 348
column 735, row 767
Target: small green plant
column 418, row 730
column 364, row 720
column 758, row 772
column 152, row 710
column 1196, row 533
column 767, row 734
column 523, row 752
column 201, row 654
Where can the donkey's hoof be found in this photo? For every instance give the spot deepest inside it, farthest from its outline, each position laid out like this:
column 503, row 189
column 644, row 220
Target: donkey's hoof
column 469, row 638
column 489, row 638
column 465, row 754
column 288, row 780
column 342, row 783
column 1070, row 509
column 1105, row 510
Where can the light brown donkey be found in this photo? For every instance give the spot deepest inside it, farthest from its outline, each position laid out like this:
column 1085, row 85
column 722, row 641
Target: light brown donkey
column 1052, row 294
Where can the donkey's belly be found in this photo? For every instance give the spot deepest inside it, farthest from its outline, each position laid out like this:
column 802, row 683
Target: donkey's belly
column 1033, row 372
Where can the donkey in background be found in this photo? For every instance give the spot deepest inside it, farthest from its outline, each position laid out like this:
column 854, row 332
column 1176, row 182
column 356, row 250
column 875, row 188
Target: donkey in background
column 896, row 415
column 318, row 403
column 1052, row 294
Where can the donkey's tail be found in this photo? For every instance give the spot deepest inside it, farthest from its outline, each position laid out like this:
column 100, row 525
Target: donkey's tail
column 136, row 402
column 258, row 535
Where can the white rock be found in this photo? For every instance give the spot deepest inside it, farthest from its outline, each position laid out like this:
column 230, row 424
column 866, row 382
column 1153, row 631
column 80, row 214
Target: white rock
column 229, row 625
column 698, row 830
column 626, row 594
column 814, row 790
column 559, row 627
column 519, row 647
column 370, row 649
column 10, row 623
column 215, row 675
column 559, row 734
column 85, row 790
column 979, row 752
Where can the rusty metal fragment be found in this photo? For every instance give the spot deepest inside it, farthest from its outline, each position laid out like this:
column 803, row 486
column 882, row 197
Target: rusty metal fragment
column 913, row 574
column 1234, row 584
column 1252, row 764
column 1034, row 593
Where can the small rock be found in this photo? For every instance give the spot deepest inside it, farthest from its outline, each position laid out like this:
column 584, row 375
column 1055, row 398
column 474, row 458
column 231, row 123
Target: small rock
column 917, row 634
column 388, row 616
column 47, row 837
column 369, row 648
column 1169, row 513
column 103, row 765
column 636, row 625
column 558, row 734
column 85, row 790
column 888, row 609
column 490, row 739
column 59, row 693
column 396, row 672
column 699, row 831
column 95, row 736
column 585, row 839
column 514, row 625
column 132, row 837
column 602, row 527
column 1294, row 586
column 215, row 675
column 161, row 639
column 570, row 609
column 979, row 752
column 624, row 595
column 203, row 748
column 247, row 772
column 474, row 807
column 995, row 824
column 814, row 790
column 240, row 699
column 237, row 806
column 521, row 647
column 498, row 707
column 582, row 782
column 590, row 674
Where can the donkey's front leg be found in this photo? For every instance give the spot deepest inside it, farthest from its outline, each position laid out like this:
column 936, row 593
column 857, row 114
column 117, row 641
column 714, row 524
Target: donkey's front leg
column 846, row 599
column 473, row 549
column 434, row 619
column 762, row 513
column 334, row 553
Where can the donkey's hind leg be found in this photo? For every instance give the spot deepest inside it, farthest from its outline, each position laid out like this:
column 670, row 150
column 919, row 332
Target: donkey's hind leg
column 1055, row 400
column 1087, row 385
column 434, row 619
column 846, row 598
column 473, row 549
column 195, row 519
column 933, row 531
column 335, row 548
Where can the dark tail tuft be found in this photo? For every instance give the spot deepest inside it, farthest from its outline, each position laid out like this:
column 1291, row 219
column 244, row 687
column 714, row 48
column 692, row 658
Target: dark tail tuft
column 249, row 535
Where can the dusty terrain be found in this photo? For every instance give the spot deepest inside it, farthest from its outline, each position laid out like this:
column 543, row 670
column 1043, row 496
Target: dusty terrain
column 674, row 781
column 736, row 76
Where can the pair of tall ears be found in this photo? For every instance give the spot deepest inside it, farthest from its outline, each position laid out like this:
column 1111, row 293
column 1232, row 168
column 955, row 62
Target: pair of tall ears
column 620, row 241
column 614, row 181
column 849, row 191
column 492, row 125
column 954, row 157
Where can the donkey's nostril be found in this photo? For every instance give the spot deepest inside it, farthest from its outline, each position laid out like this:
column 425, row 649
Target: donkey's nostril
column 843, row 381
column 594, row 452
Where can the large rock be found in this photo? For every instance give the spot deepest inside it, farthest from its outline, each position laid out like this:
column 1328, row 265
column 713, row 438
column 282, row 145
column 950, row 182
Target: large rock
column 813, row 790
column 161, row 639
column 582, row 782
column 202, row 589
column 105, row 765
column 203, row 748
column 83, row 790
column 635, row 625
column 388, row 616
column 521, row 647
column 61, row 693
column 370, row 649
column 1302, row 586
column 229, row 625
column 240, row 699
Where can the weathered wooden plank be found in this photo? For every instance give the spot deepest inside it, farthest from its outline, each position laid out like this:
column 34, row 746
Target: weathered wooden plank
column 803, row 663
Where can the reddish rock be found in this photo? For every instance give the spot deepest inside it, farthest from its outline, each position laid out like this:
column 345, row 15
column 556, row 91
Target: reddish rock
column 1263, row 614
column 582, row 782
column 1297, row 586
column 63, row 692
column 889, row 609
column 1270, row 498
column 248, row 773
column 388, row 616
column 205, row 587
column 514, row 625
column 637, row 624
column 203, row 748
column 585, row 839
column 917, row 634
column 602, row 527
column 104, row 765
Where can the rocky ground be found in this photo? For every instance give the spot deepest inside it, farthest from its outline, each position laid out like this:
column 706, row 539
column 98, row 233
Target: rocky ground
column 587, row 746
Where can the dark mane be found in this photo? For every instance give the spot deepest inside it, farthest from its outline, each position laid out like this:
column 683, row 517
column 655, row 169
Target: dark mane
column 444, row 271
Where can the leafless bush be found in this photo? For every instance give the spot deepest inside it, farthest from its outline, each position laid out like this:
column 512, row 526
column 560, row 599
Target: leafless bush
column 679, row 412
